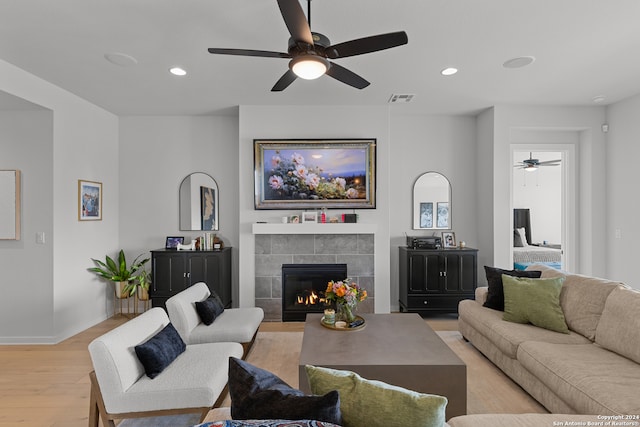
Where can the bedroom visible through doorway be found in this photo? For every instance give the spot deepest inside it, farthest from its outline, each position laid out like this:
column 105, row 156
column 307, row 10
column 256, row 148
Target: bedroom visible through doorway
column 538, row 203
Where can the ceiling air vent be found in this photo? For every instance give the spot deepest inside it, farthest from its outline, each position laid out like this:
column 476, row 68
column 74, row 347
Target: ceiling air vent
column 400, row 98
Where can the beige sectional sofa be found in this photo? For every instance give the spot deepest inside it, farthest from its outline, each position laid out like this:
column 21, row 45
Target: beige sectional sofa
column 595, row 369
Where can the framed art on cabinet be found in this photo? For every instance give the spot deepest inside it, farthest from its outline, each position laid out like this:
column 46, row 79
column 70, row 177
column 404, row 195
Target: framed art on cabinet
column 314, row 174
column 89, row 201
column 449, row 239
column 309, row 217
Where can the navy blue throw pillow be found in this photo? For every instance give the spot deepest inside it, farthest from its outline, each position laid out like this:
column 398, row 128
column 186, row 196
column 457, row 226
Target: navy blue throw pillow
column 495, row 293
column 259, row 394
column 160, row 350
column 209, row 309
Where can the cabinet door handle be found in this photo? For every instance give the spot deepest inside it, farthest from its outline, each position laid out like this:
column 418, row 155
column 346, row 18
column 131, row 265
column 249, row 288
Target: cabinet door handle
column 189, row 274
column 184, row 274
column 425, row 302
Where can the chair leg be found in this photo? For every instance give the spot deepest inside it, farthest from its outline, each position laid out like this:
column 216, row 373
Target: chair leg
column 93, row 409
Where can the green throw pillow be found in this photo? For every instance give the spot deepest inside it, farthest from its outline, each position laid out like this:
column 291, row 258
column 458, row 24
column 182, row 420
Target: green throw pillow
column 535, row 301
column 374, row 403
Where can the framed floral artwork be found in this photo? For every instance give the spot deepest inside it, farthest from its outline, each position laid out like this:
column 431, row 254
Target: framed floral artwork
column 89, row 201
column 313, row 174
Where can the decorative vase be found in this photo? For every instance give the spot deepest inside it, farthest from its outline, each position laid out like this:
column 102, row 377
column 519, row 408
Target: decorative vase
column 119, row 287
column 346, row 311
column 143, row 294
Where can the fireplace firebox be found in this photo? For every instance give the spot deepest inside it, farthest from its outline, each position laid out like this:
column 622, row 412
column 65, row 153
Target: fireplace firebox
column 303, row 287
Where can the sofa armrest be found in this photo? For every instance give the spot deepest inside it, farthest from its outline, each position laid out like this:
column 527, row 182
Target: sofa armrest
column 481, row 294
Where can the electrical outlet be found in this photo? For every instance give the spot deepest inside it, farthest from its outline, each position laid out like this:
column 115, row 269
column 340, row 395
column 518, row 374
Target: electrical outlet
column 40, row 238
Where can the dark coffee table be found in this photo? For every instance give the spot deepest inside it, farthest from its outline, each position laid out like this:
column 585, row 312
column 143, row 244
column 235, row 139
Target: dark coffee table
column 399, row 349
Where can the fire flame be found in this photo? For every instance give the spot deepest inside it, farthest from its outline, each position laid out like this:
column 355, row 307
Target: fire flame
column 312, row 299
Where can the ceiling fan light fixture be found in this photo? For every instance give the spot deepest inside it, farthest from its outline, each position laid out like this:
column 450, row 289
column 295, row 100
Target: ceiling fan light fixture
column 309, row 67
column 531, row 168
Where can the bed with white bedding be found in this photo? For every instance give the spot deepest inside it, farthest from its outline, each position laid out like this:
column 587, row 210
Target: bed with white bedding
column 525, row 254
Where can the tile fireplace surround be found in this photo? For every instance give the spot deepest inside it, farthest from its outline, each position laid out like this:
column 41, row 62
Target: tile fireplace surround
column 273, row 250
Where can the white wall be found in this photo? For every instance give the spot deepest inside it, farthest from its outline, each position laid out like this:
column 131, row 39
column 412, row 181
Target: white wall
column 420, row 144
column 156, row 154
column 622, row 204
column 84, row 145
column 582, row 128
column 26, row 289
column 257, row 122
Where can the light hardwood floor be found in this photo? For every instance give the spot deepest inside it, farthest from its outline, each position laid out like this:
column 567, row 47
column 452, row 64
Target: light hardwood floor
column 48, row 385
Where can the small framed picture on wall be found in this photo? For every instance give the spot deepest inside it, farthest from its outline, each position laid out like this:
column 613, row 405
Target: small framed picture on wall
column 449, row 239
column 89, row 200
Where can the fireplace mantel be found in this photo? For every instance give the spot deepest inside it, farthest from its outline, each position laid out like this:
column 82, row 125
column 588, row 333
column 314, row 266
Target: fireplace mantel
column 340, row 228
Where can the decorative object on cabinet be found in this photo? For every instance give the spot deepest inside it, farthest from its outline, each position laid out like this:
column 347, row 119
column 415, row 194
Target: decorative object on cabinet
column 310, row 217
column 172, row 242
column 449, row 239
column 198, row 200
column 295, row 219
column 188, row 247
column 436, row 280
column 174, row 271
column 89, row 201
column 10, row 205
column 431, row 190
column 308, row 174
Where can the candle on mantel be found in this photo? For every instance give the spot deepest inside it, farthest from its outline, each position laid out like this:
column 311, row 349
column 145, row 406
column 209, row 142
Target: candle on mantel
column 329, row 316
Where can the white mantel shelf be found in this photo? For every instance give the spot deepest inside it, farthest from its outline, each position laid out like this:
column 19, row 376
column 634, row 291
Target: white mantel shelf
column 340, row 228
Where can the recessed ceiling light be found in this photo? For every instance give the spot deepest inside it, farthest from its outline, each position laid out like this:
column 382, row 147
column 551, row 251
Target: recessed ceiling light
column 450, row 71
column 598, row 99
column 519, row 62
column 121, row 59
column 177, row 71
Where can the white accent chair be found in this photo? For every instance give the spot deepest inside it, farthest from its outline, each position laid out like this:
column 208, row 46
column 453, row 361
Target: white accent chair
column 234, row 324
column 194, row 382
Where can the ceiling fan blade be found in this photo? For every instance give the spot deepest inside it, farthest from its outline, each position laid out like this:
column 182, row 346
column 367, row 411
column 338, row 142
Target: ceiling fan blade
column 249, row 52
column 296, row 21
column 367, row 45
column 345, row 76
column 286, row 79
column 550, row 162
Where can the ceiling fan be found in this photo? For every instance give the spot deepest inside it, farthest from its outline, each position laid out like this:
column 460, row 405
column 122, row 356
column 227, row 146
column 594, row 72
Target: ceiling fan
column 532, row 164
column 310, row 52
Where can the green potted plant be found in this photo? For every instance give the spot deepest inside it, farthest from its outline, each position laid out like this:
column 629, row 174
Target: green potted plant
column 140, row 285
column 119, row 273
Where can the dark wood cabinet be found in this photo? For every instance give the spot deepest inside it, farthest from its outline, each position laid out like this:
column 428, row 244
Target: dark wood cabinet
column 435, row 280
column 174, row 271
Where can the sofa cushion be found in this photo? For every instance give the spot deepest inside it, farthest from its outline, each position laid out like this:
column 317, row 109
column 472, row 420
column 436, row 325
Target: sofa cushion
column 259, row 394
column 591, row 379
column 582, row 298
column 535, row 301
column 209, row 309
column 234, row 324
column 507, row 336
column 495, row 294
column 159, row 351
column 619, row 326
column 374, row 403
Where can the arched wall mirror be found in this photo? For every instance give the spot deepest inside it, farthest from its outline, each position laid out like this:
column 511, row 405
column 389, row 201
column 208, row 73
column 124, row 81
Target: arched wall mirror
column 198, row 203
column 432, row 202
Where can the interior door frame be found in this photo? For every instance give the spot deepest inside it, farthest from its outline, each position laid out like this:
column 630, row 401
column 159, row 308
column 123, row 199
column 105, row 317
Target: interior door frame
column 569, row 221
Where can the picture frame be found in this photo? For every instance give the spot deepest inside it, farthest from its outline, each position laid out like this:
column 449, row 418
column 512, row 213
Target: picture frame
column 426, row 215
column 310, row 217
column 449, row 239
column 442, row 218
column 315, row 173
column 208, row 209
column 89, row 200
column 172, row 242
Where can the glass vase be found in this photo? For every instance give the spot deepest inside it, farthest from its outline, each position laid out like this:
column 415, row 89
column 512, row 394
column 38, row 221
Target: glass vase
column 346, row 312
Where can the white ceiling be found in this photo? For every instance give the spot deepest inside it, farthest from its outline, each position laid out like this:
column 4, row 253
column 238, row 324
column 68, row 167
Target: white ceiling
column 583, row 49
